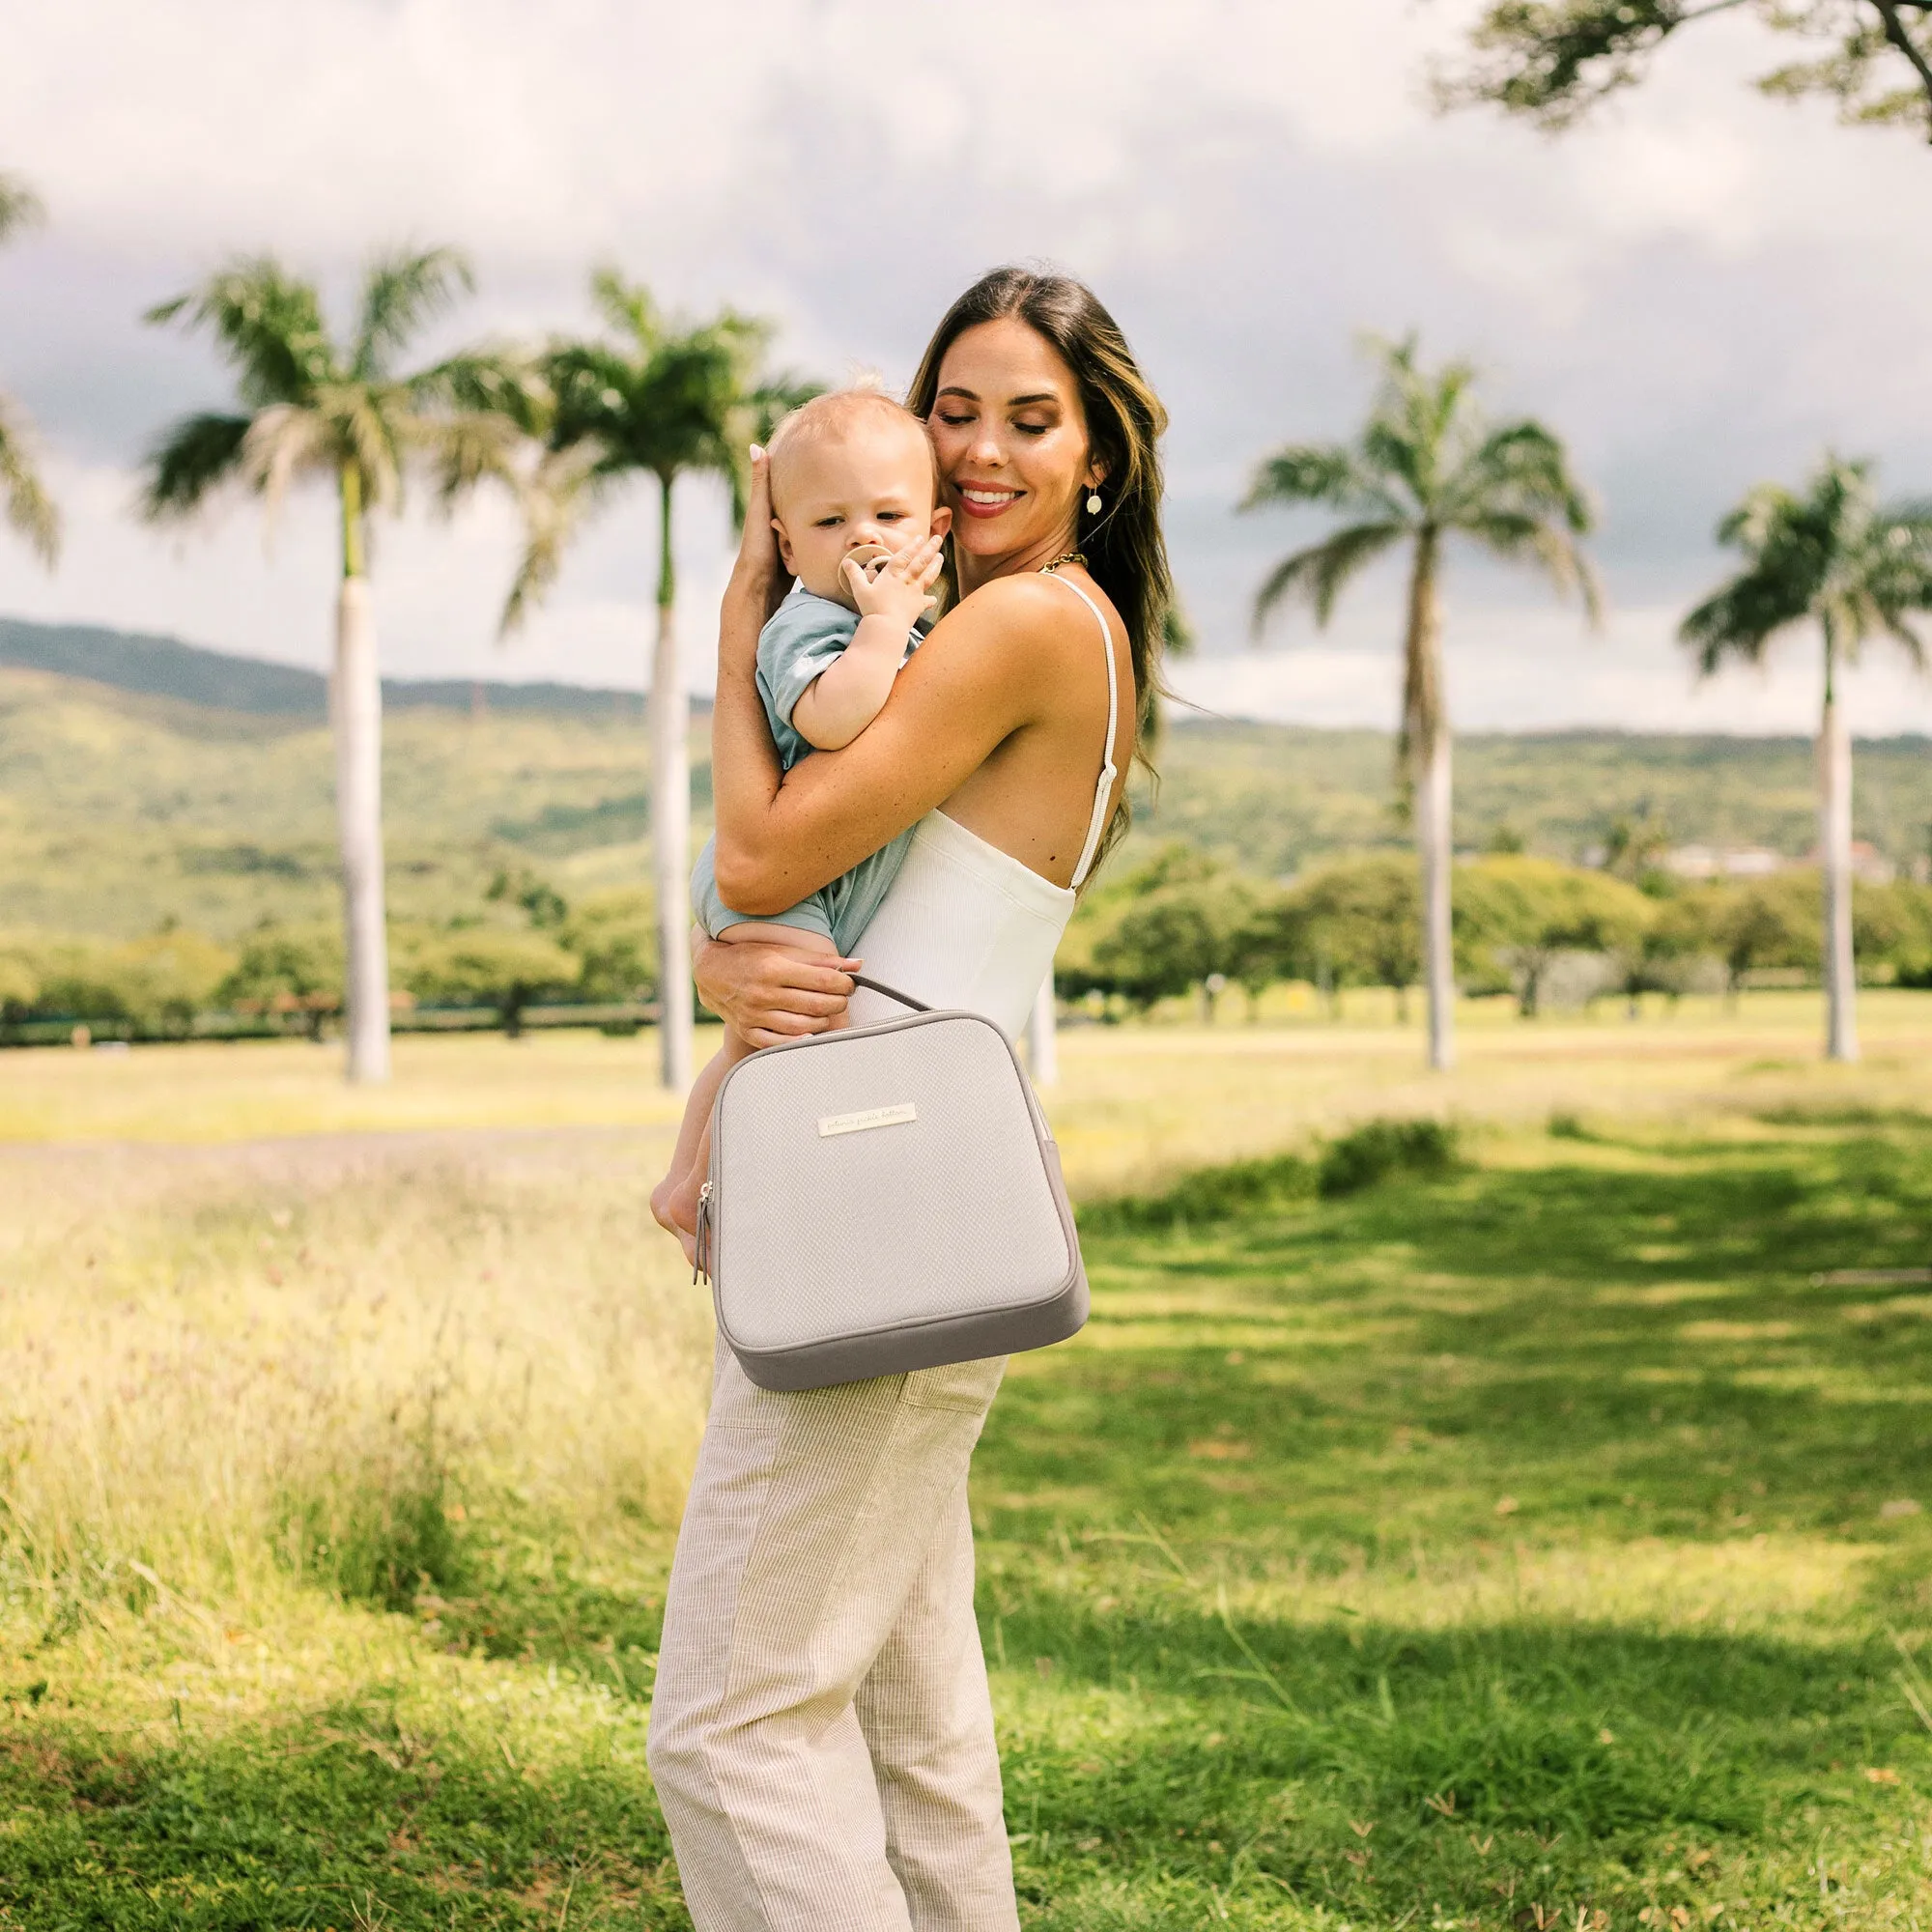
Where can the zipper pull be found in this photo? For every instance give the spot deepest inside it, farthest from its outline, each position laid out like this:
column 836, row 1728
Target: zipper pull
column 701, row 1266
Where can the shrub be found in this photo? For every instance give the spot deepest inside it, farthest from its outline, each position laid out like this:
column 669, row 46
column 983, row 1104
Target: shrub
column 1208, row 1195
column 488, row 966
column 288, row 969
column 614, row 934
column 1379, row 1149
column 1356, row 923
column 1518, row 916
column 153, row 986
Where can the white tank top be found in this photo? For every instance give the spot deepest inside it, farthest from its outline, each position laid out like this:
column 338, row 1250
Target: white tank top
column 968, row 927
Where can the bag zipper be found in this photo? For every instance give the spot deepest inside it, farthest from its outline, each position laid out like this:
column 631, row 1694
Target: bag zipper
column 702, row 1267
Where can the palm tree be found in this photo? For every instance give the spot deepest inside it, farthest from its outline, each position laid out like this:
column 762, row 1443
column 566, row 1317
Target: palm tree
column 1427, row 466
column 1836, row 558
column 312, row 407
column 28, row 507
column 652, row 397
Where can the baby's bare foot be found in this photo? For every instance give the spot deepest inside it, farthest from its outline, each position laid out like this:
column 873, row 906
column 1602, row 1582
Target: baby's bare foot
column 663, row 1195
column 680, row 1214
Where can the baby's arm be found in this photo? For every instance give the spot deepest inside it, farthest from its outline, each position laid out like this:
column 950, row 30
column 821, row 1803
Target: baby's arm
column 847, row 695
column 851, row 690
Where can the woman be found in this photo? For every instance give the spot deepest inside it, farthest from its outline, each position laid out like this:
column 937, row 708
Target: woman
column 821, row 1735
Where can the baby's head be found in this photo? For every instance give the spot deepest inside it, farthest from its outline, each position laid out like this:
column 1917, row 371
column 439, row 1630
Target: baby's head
column 852, row 472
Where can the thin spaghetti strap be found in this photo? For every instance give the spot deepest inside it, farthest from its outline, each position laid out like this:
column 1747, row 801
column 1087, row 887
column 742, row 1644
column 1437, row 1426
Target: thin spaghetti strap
column 1103, row 792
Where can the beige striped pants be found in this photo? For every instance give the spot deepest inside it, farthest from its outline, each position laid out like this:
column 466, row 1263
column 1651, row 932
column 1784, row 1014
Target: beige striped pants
column 820, row 1737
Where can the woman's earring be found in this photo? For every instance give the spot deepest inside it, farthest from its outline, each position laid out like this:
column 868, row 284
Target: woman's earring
column 1092, row 503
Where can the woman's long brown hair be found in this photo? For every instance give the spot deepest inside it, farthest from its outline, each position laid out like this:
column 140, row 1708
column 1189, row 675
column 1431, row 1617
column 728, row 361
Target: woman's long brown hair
column 1125, row 550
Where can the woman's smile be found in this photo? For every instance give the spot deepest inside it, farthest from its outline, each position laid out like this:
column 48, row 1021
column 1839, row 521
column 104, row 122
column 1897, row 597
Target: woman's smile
column 987, row 499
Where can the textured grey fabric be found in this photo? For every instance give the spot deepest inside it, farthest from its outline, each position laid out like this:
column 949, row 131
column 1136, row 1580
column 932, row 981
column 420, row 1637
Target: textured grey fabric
column 884, row 1199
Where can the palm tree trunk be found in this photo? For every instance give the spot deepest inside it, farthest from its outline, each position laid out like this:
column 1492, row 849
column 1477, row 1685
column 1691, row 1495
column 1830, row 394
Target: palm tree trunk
column 1427, row 730
column 670, row 821
column 1042, row 1037
column 1834, row 851
column 356, row 718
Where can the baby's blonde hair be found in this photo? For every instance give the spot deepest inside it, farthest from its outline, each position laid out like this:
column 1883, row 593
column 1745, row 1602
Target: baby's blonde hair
column 824, row 416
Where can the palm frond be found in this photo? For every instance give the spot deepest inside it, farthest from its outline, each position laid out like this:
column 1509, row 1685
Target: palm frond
column 626, row 307
column 470, row 447
column 763, row 410
column 553, row 502
column 1895, row 573
column 1763, row 511
column 1326, row 473
column 378, row 430
column 1320, row 572
column 1740, row 618
column 27, row 506
column 1518, row 536
column 193, row 458
column 1828, row 555
column 1522, row 467
column 1421, row 421
column 593, row 392
column 283, row 442
column 268, row 323
column 648, row 397
column 401, row 293
column 505, row 382
column 19, row 207
column 1898, row 628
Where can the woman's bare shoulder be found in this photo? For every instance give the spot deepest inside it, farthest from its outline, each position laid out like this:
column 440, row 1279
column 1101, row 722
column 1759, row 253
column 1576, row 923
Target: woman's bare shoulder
column 1027, row 612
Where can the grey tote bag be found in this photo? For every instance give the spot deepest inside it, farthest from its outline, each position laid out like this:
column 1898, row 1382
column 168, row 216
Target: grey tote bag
column 886, row 1197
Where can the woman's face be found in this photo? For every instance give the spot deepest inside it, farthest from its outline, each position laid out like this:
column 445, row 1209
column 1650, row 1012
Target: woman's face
column 1013, row 455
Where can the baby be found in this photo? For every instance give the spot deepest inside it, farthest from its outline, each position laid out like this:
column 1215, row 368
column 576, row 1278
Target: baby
column 854, row 480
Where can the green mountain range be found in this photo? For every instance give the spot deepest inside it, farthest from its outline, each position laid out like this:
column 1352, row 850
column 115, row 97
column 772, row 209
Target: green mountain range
column 142, row 779
column 165, row 667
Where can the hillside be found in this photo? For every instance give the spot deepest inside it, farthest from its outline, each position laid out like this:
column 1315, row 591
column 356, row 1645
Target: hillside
column 119, row 809
column 1277, row 796
column 155, row 666
column 121, row 806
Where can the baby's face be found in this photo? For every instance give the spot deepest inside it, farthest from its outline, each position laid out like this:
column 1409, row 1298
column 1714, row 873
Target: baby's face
column 862, row 488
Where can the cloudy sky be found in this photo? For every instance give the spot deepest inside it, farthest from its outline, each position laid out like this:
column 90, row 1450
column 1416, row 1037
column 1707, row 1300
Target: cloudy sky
column 1701, row 289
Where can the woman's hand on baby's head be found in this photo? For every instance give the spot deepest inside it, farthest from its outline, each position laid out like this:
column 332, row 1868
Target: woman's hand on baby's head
column 759, row 569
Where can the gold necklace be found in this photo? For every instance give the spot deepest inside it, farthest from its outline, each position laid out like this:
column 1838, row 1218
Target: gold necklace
column 1071, row 557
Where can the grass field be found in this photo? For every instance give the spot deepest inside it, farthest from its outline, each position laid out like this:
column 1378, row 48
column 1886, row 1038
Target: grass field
column 1535, row 1541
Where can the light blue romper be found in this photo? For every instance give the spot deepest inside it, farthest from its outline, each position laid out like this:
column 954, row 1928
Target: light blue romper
column 801, row 638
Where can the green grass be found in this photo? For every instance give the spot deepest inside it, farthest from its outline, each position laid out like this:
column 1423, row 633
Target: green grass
column 1522, row 1541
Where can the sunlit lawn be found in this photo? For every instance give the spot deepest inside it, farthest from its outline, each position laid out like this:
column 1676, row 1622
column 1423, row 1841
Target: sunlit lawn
column 1538, row 1545
column 1133, row 1104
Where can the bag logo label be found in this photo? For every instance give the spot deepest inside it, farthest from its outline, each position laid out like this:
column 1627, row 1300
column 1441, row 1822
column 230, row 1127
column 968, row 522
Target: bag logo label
column 870, row 1117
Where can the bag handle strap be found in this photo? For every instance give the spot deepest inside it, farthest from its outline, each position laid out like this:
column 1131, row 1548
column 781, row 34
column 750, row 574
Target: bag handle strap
column 891, row 993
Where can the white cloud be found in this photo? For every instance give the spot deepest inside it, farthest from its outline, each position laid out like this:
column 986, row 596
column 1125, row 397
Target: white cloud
column 1699, row 287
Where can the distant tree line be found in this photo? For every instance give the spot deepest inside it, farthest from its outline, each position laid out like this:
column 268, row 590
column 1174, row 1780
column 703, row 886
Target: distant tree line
column 1183, row 922
column 1180, row 923
column 524, row 946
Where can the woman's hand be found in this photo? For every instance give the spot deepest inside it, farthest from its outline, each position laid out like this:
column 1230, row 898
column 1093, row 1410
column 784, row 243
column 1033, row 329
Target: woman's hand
column 769, row 994
column 757, row 575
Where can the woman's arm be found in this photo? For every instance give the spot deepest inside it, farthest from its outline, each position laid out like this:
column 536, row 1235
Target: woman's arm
column 741, row 739
column 974, row 681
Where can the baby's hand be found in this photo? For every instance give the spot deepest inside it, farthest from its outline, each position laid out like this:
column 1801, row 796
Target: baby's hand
column 897, row 586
